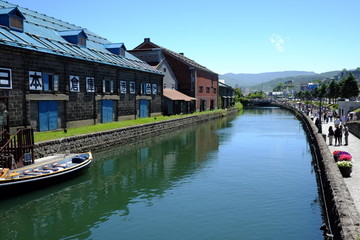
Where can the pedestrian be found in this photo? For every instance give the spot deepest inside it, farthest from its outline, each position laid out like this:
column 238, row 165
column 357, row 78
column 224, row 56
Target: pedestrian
column 318, row 123
column 341, row 135
column 343, row 120
column 330, row 135
column 337, row 122
column 331, row 115
column 337, row 135
column 346, row 135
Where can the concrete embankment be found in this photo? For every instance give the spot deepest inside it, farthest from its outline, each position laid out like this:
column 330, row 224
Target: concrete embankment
column 100, row 140
column 342, row 217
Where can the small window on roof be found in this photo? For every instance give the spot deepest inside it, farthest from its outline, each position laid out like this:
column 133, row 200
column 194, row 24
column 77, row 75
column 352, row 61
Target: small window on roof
column 16, row 22
column 116, row 48
column 82, row 41
column 77, row 36
column 12, row 18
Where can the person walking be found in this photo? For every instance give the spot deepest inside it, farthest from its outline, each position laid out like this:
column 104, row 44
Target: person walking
column 330, row 135
column 346, row 135
column 337, row 136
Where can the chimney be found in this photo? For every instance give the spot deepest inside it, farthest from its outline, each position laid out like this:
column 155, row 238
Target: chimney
column 181, row 53
column 146, row 39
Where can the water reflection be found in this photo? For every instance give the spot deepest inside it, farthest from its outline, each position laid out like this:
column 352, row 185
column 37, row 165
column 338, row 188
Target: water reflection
column 119, row 177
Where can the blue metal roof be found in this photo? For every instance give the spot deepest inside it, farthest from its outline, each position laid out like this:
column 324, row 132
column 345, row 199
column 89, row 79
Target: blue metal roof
column 6, row 10
column 44, row 34
column 71, row 32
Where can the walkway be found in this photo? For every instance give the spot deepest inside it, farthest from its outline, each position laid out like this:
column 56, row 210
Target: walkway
column 353, row 148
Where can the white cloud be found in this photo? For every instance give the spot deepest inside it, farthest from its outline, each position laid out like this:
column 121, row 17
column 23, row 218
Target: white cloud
column 278, row 42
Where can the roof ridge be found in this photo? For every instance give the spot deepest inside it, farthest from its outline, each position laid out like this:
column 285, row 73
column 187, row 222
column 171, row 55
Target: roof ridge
column 183, row 58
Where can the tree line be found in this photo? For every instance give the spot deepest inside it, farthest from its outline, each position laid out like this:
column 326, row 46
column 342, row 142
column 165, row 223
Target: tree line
column 345, row 88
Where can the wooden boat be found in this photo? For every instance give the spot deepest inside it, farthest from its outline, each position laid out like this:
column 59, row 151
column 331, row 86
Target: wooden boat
column 43, row 172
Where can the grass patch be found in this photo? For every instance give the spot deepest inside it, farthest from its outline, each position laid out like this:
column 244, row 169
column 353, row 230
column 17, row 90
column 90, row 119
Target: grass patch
column 46, row 136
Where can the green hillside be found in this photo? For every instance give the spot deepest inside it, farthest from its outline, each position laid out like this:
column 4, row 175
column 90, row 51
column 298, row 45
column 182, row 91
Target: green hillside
column 298, row 80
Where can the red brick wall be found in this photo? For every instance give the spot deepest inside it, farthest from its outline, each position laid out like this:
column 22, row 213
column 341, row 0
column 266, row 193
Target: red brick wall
column 208, row 82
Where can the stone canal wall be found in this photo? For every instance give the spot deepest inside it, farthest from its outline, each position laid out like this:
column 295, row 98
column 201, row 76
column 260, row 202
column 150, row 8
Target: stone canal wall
column 342, row 216
column 100, row 140
column 354, row 128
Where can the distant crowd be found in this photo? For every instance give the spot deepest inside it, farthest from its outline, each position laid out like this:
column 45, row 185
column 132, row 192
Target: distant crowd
column 340, row 132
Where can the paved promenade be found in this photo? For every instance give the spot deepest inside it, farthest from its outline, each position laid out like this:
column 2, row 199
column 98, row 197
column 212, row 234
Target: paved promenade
column 353, row 182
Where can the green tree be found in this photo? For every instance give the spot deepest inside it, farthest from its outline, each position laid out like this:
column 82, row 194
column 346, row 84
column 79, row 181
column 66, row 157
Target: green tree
column 300, row 95
column 238, row 94
column 349, row 87
column 322, row 90
column 279, row 87
column 333, row 90
column 307, row 95
column 316, row 92
column 258, row 94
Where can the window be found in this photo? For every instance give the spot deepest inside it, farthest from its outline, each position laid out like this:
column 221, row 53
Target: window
column 77, row 37
column 5, row 78
column 214, row 90
column 154, row 89
column 12, row 18
column 35, row 81
column 146, row 88
column 207, row 90
column 108, row 86
column 90, row 84
column 82, row 41
column 132, row 87
column 74, row 82
column 16, row 23
column 123, row 87
column 50, row 82
column 201, row 89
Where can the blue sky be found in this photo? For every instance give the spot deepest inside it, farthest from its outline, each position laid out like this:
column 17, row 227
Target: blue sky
column 235, row 36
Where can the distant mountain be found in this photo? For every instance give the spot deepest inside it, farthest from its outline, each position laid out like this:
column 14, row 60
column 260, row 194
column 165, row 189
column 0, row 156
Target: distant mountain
column 248, row 79
column 298, row 80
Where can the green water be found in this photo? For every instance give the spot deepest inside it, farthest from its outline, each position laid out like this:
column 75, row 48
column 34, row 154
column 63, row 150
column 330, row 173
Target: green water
column 245, row 177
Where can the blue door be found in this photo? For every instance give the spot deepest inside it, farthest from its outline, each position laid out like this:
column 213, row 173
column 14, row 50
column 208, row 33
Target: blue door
column 106, row 111
column 48, row 115
column 144, row 108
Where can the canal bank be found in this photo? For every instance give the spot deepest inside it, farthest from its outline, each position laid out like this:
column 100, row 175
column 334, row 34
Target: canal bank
column 101, row 140
column 248, row 175
column 343, row 219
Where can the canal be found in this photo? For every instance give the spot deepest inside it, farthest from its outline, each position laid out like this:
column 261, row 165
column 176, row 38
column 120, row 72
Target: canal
column 244, row 177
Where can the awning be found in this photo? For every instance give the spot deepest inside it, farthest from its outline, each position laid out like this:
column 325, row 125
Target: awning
column 176, row 95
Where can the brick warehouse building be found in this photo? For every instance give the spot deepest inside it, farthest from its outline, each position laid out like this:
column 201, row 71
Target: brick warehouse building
column 191, row 78
column 56, row 75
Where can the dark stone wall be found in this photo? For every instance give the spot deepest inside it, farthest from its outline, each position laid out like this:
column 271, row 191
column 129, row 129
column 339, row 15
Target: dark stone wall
column 105, row 139
column 354, row 128
column 81, row 105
